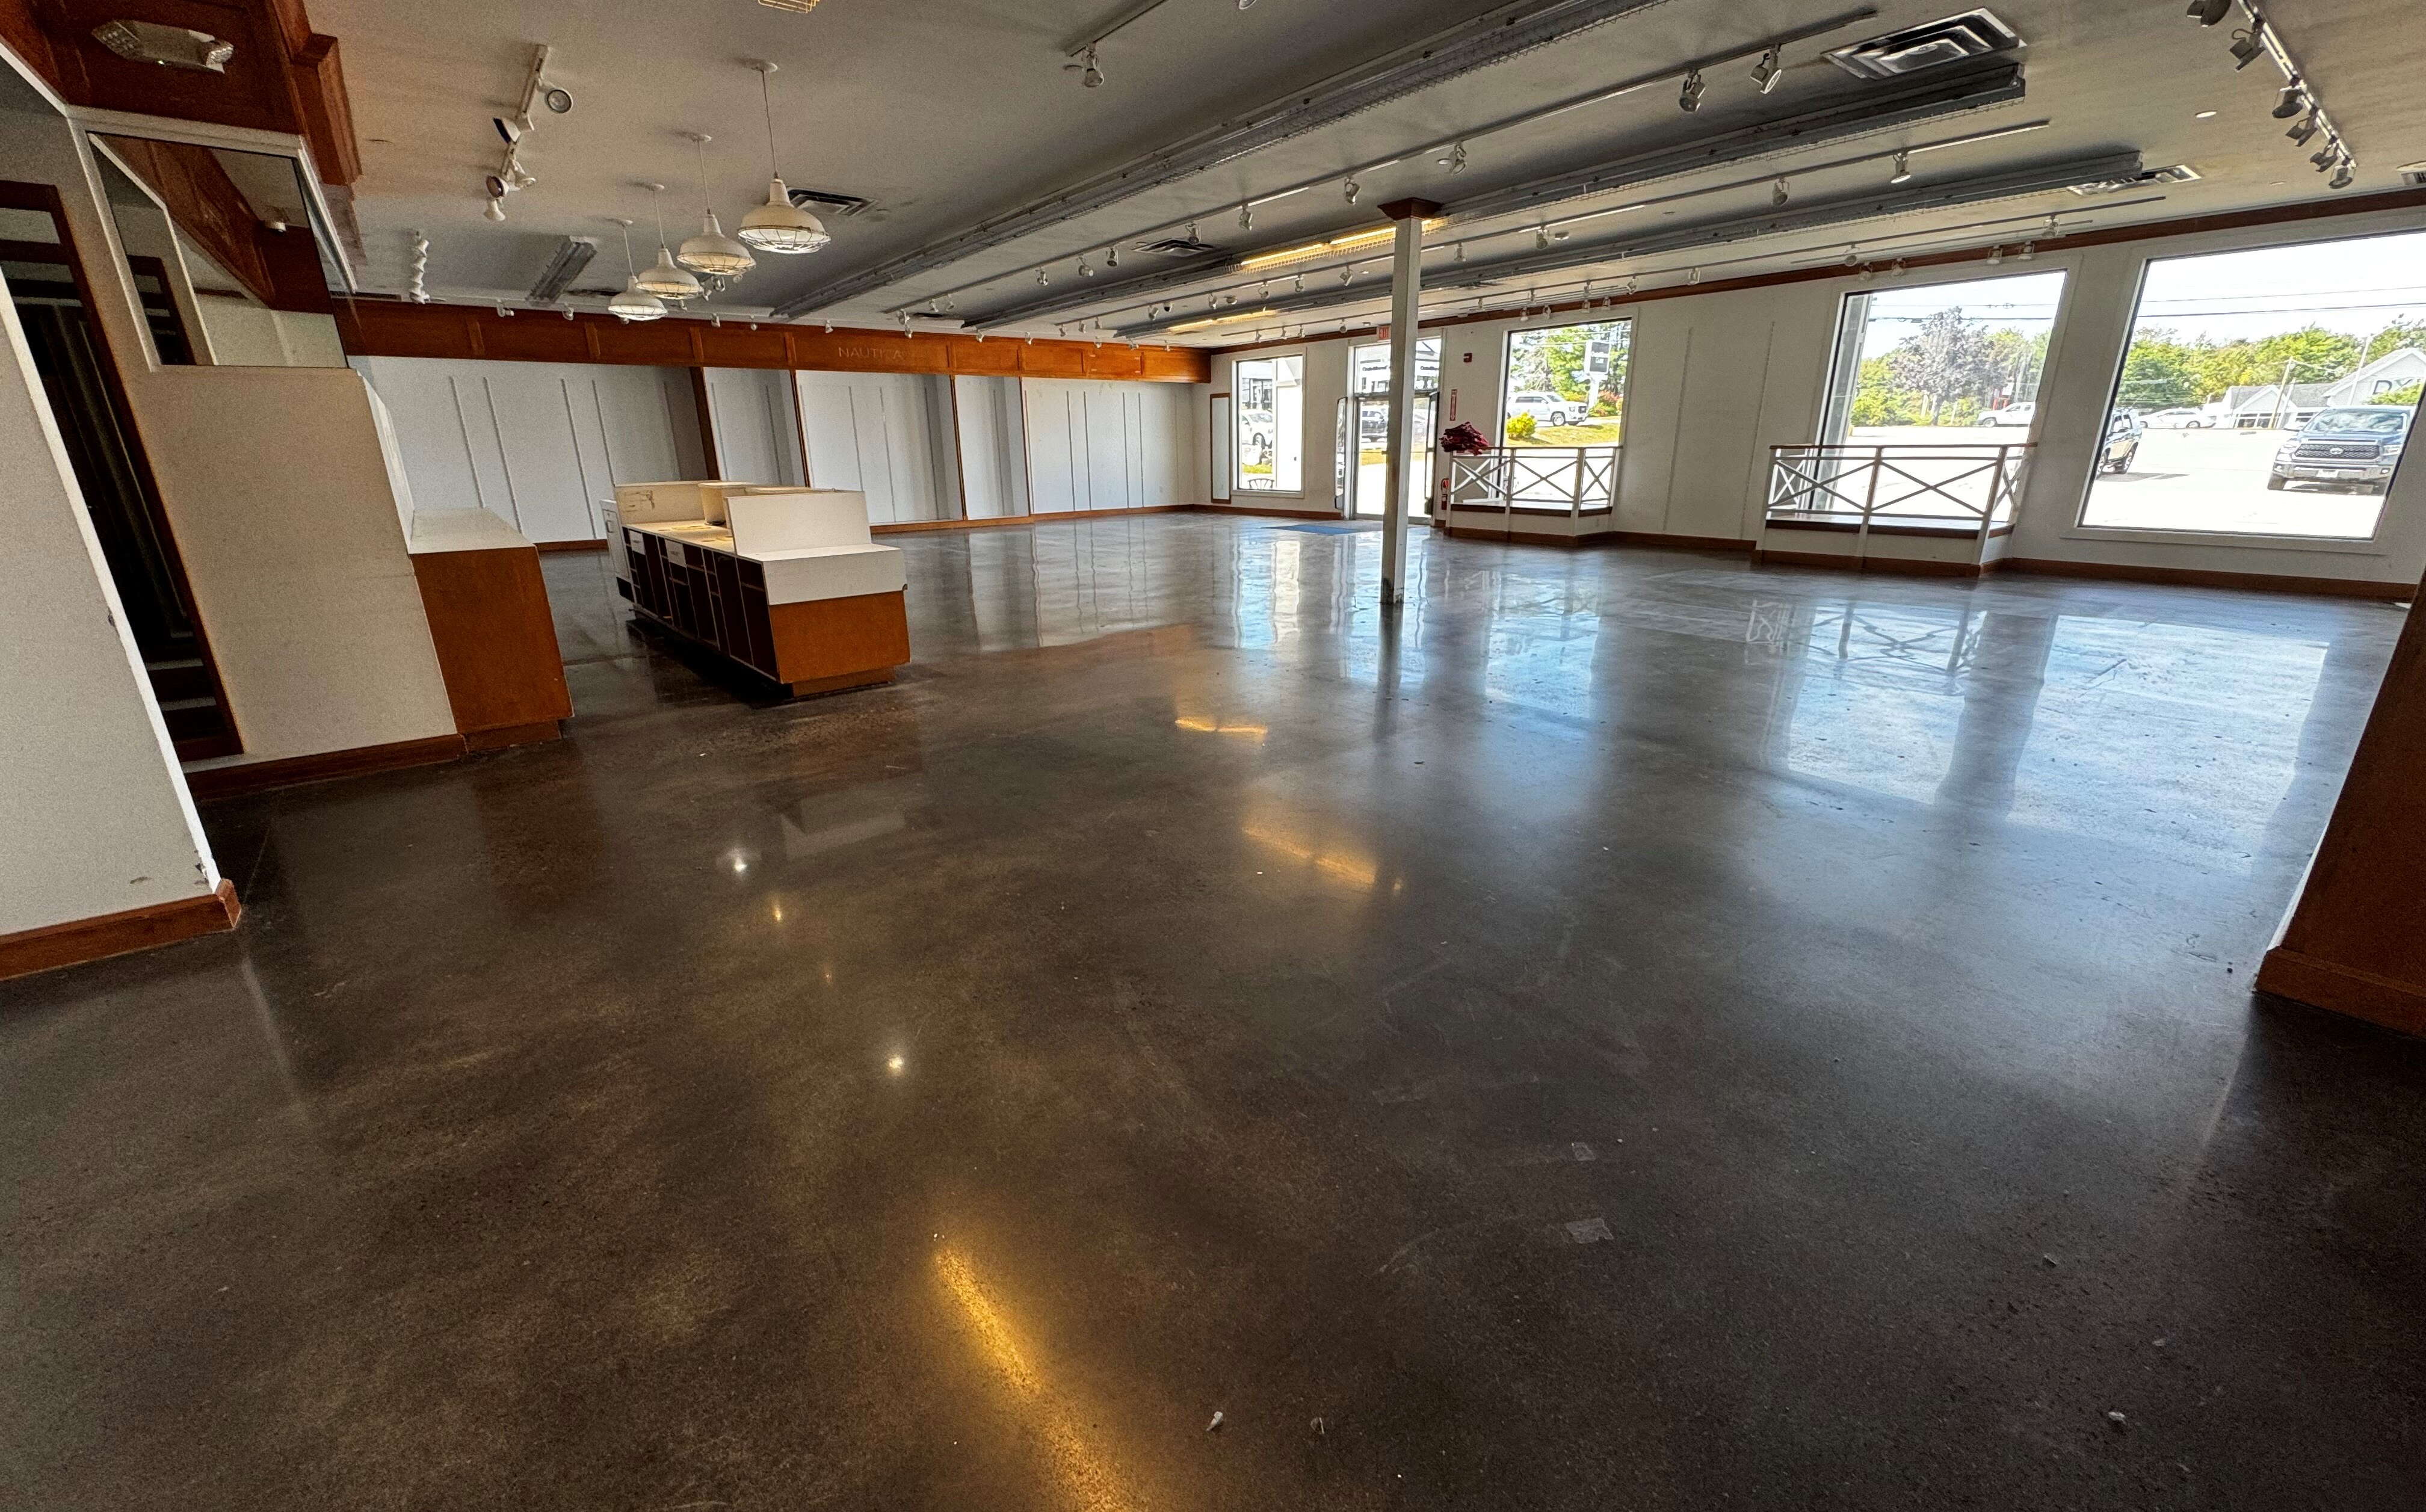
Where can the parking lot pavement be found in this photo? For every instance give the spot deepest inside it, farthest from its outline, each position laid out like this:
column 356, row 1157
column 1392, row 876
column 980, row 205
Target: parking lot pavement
column 2215, row 480
column 2210, row 481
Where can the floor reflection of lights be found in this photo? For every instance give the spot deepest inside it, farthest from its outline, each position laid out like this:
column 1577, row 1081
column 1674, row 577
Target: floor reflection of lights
column 1338, row 863
column 1220, row 727
column 1089, row 1478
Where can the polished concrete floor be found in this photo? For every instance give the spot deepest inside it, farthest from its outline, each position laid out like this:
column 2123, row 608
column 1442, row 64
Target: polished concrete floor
column 1634, row 1031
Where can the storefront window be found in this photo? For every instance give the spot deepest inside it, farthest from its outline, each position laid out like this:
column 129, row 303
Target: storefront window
column 1566, row 385
column 1271, row 425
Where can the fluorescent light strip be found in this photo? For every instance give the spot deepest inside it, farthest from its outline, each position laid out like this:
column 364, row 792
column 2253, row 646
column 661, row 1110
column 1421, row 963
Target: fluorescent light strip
column 1883, row 110
column 1979, row 189
column 1784, row 38
column 1528, row 229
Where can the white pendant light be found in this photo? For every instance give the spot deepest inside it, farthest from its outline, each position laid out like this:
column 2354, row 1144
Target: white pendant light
column 635, row 302
column 663, row 279
column 712, row 252
column 779, row 226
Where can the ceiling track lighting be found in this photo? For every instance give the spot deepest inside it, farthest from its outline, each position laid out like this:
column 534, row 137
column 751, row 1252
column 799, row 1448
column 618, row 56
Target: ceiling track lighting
column 2342, row 176
column 2295, row 100
column 1454, row 159
column 1351, row 189
column 1779, row 194
column 1089, row 69
column 1247, row 216
column 1903, row 173
column 779, row 226
column 417, row 269
column 2302, row 131
column 712, row 253
column 2249, row 45
column 1766, row 73
column 1465, row 48
column 2210, row 12
column 1689, row 98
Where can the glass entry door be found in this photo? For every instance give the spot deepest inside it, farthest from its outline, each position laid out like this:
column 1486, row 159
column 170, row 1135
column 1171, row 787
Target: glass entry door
column 1371, row 472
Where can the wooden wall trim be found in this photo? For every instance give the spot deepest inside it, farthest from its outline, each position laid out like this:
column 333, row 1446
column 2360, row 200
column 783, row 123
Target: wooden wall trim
column 2104, row 237
column 320, row 767
column 2338, row 588
column 1897, row 566
column 912, row 527
column 118, row 934
column 380, row 327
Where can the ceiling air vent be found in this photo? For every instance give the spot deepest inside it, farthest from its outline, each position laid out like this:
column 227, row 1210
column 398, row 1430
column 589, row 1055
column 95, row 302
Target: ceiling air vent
column 840, row 205
column 1932, row 44
column 1178, row 246
column 2177, row 173
column 2414, row 174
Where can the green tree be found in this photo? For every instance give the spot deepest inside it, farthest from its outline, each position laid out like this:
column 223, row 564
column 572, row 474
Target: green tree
column 1948, row 358
column 2407, row 393
column 2160, row 373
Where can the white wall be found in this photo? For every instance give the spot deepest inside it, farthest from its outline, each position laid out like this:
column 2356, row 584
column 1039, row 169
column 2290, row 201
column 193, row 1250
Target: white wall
column 886, row 435
column 993, row 446
column 540, row 444
column 94, row 817
column 758, row 430
column 1095, row 444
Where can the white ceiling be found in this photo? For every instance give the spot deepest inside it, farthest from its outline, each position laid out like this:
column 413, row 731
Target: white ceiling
column 944, row 112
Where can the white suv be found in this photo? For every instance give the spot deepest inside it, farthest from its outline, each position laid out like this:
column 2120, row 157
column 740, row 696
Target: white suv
column 1548, row 408
column 2012, row 414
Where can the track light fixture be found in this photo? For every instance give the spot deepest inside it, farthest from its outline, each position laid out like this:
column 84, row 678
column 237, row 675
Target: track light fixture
column 1454, row 159
column 1688, row 99
column 2029, row 252
column 1085, row 269
column 1112, row 255
column 497, row 210
column 1351, row 189
column 1694, row 276
column 2325, row 156
column 2210, row 12
column 1090, row 71
column 1766, row 73
column 2303, row 130
column 2295, row 100
column 1246, row 215
column 1903, row 173
column 1779, row 194
column 1995, row 255
column 1541, row 238
column 1632, row 283
column 2248, row 46
column 2342, row 176
column 1043, row 278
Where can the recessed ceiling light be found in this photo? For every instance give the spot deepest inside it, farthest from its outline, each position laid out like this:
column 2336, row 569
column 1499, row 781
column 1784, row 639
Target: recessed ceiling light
column 2203, row 115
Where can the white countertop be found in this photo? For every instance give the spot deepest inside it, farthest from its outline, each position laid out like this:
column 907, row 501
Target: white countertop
column 803, row 574
column 461, row 530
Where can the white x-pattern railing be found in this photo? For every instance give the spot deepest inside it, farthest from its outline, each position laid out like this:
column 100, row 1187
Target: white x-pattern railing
column 1976, row 486
column 1507, row 478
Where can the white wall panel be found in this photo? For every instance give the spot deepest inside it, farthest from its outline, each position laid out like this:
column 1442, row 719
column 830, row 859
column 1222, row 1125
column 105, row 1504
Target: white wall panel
column 757, row 438
column 538, row 445
column 1105, row 445
column 992, row 446
column 886, row 434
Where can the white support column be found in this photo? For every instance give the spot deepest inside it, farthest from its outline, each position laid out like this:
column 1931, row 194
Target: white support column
column 1406, row 294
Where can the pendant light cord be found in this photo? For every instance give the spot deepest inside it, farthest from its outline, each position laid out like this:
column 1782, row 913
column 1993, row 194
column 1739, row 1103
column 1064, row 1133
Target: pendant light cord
column 766, row 98
column 629, row 266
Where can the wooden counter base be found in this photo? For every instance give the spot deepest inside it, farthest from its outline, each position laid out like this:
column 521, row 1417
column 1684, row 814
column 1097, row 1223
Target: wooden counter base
column 822, row 646
column 495, row 640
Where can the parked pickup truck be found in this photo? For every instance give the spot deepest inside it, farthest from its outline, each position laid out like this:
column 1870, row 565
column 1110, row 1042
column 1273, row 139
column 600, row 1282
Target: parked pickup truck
column 2357, row 447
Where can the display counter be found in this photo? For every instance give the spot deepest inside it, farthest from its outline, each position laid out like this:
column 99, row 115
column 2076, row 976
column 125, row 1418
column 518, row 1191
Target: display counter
column 489, row 623
column 785, row 582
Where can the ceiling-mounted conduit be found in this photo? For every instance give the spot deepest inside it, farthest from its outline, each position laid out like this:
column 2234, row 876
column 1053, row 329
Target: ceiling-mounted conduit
column 1493, row 36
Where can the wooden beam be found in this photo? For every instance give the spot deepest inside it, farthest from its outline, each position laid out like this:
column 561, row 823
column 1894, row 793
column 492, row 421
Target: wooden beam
column 382, row 328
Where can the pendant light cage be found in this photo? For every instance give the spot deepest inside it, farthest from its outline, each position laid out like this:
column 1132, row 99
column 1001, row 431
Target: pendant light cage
column 779, row 226
column 664, row 278
column 712, row 253
column 635, row 303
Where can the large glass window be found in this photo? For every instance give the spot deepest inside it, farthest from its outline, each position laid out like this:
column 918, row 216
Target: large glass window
column 1943, row 362
column 2267, row 392
column 1272, row 423
column 1566, row 385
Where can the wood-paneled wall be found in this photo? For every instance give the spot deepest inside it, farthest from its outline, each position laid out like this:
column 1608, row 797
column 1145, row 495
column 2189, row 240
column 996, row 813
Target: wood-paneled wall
column 285, row 77
column 374, row 328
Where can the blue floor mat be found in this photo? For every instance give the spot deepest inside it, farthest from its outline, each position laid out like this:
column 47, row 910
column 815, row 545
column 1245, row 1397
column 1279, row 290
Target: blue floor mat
column 1332, row 530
